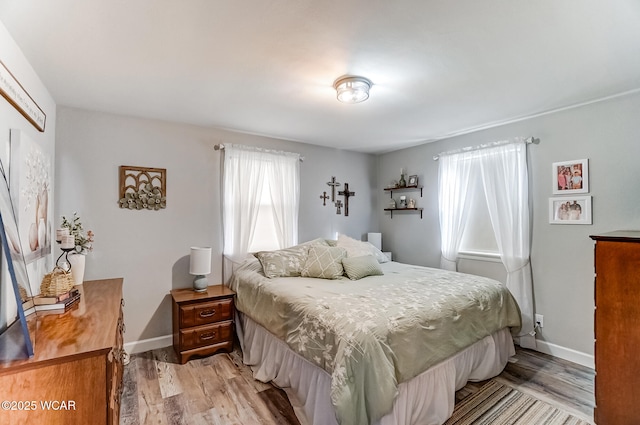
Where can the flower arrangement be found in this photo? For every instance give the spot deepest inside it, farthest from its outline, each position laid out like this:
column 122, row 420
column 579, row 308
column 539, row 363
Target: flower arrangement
column 83, row 242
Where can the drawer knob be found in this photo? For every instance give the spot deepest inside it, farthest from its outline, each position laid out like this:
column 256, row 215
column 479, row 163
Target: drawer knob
column 208, row 313
column 207, row 336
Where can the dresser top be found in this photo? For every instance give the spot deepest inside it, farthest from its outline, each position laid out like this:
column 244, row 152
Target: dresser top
column 618, row 236
column 86, row 329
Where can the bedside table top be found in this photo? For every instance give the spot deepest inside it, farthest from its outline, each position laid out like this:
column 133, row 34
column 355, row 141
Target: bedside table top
column 212, row 292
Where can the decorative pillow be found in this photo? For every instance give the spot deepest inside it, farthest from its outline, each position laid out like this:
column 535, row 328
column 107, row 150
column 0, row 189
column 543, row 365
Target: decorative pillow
column 324, row 262
column 357, row 248
column 317, row 241
column 284, row 262
column 359, row 267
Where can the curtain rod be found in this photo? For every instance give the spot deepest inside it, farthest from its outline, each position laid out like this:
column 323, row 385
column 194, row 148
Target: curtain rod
column 220, row 147
column 528, row 140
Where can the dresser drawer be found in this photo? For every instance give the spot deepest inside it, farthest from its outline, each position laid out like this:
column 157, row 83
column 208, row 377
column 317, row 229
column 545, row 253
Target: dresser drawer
column 205, row 313
column 202, row 336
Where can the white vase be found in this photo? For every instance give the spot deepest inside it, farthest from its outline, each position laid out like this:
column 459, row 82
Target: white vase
column 77, row 262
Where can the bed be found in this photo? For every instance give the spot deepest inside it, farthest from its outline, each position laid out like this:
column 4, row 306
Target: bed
column 384, row 349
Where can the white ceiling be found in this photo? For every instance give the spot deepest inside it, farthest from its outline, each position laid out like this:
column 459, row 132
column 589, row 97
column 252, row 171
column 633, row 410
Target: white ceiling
column 439, row 67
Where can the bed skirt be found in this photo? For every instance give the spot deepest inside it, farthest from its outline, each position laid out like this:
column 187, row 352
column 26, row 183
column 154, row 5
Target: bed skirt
column 427, row 399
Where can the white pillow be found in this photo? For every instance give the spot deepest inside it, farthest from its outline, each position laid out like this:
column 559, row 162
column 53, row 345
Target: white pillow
column 357, row 248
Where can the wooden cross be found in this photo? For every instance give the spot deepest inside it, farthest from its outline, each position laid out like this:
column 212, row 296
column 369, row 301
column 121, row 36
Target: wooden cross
column 338, row 206
column 324, row 198
column 346, row 195
column 333, row 183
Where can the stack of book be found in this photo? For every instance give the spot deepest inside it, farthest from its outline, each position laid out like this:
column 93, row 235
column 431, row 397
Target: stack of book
column 62, row 302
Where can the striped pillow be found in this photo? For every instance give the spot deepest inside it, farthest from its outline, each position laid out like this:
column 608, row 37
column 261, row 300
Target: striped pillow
column 359, row 267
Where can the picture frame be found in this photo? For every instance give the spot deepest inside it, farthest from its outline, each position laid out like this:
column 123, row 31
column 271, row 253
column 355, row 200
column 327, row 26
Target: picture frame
column 413, row 181
column 570, row 210
column 570, row 177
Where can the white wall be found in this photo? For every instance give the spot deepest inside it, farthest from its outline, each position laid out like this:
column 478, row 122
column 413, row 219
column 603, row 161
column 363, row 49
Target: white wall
column 562, row 255
column 150, row 248
column 10, row 118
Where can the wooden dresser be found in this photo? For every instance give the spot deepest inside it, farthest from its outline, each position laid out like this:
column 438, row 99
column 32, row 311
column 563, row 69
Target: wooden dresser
column 78, row 361
column 202, row 321
column 617, row 328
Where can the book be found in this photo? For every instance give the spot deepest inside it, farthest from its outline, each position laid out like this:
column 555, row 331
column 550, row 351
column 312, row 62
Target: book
column 63, row 305
column 42, row 300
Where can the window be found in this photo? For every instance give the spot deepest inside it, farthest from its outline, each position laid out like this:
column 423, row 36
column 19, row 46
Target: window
column 478, row 237
column 265, row 237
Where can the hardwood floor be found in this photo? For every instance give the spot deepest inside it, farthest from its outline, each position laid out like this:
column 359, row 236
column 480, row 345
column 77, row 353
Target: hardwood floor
column 220, row 390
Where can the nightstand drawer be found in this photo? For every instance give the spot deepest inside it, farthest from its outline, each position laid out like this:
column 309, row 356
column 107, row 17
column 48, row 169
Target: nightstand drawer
column 206, row 335
column 205, row 313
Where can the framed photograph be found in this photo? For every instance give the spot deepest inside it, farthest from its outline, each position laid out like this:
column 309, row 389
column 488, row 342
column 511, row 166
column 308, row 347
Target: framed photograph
column 570, row 177
column 570, row 210
column 413, row 180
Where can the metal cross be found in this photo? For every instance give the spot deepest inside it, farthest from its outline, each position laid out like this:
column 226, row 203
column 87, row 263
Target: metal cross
column 338, row 206
column 346, row 195
column 324, row 198
column 333, row 183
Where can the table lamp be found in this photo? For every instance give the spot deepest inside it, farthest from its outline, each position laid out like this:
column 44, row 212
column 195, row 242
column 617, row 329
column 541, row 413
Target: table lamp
column 200, row 265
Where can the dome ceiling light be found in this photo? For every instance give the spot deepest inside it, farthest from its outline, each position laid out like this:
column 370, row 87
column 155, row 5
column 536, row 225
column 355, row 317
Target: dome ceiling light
column 352, row 89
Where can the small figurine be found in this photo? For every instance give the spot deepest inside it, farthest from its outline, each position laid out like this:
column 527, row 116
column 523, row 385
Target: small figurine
column 403, row 202
column 412, row 203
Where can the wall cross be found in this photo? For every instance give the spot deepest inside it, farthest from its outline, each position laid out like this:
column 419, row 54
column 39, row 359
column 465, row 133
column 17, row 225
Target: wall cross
column 324, row 198
column 333, row 183
column 346, row 195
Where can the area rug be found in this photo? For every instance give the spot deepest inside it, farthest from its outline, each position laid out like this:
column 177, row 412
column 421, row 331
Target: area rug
column 497, row 404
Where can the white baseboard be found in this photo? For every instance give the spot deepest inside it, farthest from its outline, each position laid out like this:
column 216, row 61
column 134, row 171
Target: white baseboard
column 148, row 344
column 565, row 353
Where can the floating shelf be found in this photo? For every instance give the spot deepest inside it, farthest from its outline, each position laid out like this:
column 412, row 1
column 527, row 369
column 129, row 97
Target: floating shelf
column 403, row 209
column 402, row 189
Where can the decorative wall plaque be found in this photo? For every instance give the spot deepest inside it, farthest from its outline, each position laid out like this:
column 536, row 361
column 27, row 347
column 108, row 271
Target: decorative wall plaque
column 143, row 188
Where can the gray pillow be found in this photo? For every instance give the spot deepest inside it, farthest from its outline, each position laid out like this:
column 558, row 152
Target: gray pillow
column 359, row 267
column 284, row 262
column 324, row 262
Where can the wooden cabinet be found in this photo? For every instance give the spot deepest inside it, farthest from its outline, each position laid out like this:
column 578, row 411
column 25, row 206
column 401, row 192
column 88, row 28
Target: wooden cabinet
column 202, row 321
column 75, row 375
column 617, row 328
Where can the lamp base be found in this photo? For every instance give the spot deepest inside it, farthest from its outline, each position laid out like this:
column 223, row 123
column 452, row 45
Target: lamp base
column 200, row 283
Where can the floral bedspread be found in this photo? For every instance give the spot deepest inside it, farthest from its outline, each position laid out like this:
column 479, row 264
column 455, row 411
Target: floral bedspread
column 374, row 333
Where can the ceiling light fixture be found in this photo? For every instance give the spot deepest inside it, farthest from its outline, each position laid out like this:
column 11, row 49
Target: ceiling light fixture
column 352, row 89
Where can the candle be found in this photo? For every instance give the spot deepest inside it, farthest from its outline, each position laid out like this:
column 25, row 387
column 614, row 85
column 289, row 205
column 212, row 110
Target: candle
column 60, row 233
column 68, row 242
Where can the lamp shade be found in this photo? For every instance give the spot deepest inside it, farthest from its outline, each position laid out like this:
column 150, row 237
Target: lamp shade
column 375, row 239
column 200, row 260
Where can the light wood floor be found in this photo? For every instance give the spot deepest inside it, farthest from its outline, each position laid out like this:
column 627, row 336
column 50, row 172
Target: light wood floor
column 220, row 390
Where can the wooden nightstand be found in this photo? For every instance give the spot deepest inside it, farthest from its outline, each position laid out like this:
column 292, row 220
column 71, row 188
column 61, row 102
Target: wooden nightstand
column 202, row 321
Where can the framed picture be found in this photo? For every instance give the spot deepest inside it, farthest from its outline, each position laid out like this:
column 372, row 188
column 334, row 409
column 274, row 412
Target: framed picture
column 413, row 180
column 570, row 177
column 570, row 210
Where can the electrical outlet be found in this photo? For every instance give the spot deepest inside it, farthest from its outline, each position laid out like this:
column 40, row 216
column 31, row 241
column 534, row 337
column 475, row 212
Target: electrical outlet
column 540, row 320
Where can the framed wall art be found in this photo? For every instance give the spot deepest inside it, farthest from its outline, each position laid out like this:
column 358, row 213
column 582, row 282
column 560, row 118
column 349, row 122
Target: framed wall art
column 570, row 210
column 570, row 177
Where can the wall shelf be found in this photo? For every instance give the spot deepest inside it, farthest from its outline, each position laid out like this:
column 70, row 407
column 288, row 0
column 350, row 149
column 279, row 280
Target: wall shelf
column 403, row 189
column 403, row 209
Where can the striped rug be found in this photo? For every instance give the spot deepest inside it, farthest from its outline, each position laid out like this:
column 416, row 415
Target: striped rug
column 497, row 404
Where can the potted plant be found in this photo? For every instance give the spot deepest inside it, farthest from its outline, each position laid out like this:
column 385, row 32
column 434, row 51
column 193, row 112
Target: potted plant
column 83, row 245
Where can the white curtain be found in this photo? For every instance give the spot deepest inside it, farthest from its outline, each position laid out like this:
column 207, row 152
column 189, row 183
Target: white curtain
column 246, row 171
column 503, row 170
column 283, row 176
column 453, row 191
column 506, row 185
